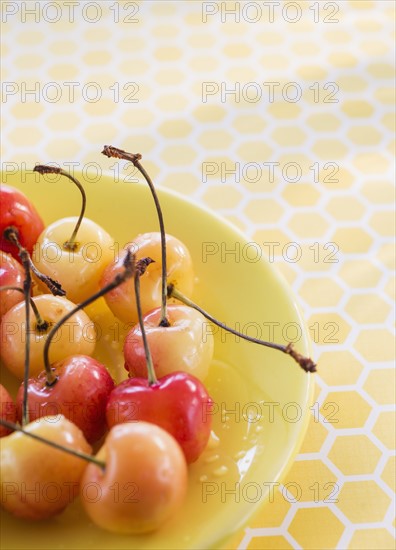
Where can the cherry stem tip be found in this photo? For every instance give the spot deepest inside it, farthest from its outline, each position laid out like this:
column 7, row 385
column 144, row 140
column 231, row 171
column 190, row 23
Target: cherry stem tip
column 44, row 169
column 114, row 152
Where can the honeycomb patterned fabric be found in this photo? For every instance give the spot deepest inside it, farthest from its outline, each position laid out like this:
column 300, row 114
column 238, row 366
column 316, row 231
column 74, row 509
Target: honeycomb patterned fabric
column 280, row 117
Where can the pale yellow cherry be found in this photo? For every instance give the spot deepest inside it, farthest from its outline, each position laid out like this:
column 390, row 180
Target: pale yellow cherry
column 76, row 337
column 179, row 273
column 38, row 481
column 144, row 481
column 77, row 269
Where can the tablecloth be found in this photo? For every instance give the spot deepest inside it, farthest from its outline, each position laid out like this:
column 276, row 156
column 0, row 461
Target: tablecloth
column 279, row 116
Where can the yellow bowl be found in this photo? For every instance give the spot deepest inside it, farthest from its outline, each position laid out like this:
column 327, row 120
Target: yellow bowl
column 262, row 396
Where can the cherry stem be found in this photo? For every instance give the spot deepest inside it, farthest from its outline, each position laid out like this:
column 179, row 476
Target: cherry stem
column 305, row 362
column 70, row 244
column 27, row 287
column 152, row 379
column 129, row 270
column 78, row 454
column 114, row 152
column 41, row 324
column 12, row 235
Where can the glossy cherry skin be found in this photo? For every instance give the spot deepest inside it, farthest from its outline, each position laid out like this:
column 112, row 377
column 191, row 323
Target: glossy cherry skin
column 78, row 271
column 144, row 481
column 7, row 410
column 80, row 394
column 11, row 274
column 76, row 336
column 185, row 345
column 178, row 403
column 18, row 211
column 38, row 481
column 122, row 301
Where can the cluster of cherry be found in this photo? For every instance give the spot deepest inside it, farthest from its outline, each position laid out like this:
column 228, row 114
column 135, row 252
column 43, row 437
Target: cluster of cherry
column 167, row 359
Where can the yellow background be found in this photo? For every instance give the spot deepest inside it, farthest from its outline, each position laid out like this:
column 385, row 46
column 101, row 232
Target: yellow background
column 151, row 72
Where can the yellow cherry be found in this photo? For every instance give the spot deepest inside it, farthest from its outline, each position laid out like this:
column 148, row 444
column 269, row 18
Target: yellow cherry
column 38, row 481
column 79, row 268
column 76, row 336
column 144, row 481
column 122, row 301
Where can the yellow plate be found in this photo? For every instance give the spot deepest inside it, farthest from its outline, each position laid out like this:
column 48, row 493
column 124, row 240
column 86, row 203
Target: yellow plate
column 262, row 396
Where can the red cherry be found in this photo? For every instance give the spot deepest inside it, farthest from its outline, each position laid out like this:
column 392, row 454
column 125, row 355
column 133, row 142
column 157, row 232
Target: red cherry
column 80, row 394
column 17, row 211
column 178, row 403
column 7, row 410
column 11, row 274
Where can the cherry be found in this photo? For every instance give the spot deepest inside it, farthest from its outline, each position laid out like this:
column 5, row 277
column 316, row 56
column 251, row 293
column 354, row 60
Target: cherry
column 11, row 275
column 18, row 212
column 79, row 270
column 29, row 467
column 7, row 410
column 177, row 403
column 143, row 483
column 80, row 394
column 178, row 347
column 77, row 337
column 122, row 301
column 74, row 250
